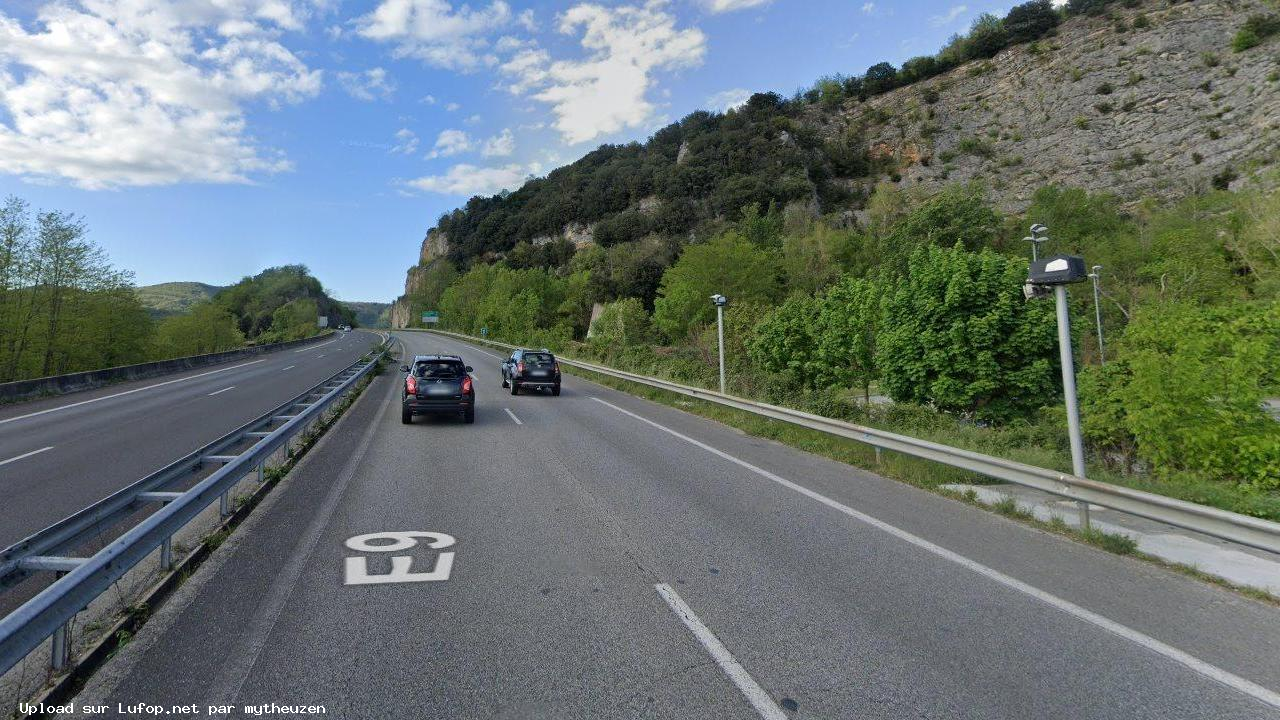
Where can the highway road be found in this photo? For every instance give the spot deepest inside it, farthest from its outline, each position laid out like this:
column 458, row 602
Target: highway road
column 61, row 454
column 600, row 556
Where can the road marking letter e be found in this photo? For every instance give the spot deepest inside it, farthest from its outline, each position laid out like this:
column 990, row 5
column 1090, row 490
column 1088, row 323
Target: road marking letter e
column 357, row 568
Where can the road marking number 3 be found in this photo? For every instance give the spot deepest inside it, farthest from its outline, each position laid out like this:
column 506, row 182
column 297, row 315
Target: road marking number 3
column 357, row 568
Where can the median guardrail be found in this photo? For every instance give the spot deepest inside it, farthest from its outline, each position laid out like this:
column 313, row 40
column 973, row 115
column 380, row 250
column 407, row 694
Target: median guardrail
column 90, row 379
column 82, row 579
column 1222, row 524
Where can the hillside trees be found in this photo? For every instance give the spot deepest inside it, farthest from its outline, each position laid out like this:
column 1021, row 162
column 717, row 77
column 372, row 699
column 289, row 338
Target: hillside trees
column 729, row 265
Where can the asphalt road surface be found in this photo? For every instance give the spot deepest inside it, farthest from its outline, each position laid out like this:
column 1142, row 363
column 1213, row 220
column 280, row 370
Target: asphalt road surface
column 61, row 454
column 600, row 556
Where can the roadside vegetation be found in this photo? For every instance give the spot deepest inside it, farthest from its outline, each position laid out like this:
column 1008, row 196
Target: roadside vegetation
column 64, row 308
column 916, row 323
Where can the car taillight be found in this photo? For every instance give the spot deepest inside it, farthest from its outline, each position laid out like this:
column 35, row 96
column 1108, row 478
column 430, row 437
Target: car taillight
column 520, row 367
column 556, row 366
column 411, row 385
column 466, row 386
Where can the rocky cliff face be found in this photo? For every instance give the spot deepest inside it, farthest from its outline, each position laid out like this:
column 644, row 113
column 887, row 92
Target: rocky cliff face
column 1148, row 101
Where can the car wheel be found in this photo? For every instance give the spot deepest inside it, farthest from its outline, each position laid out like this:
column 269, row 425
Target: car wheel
column 556, row 390
column 504, row 382
column 406, row 416
column 469, row 416
column 515, row 388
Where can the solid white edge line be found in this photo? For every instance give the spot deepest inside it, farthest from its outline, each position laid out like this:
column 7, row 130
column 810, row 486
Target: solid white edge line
column 129, row 392
column 25, row 455
column 218, row 392
column 750, row 689
column 313, row 347
column 1187, row 660
column 513, row 416
column 288, row 368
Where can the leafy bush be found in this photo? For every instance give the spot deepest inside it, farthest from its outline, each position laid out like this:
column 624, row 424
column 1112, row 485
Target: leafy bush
column 621, row 324
column 1187, row 392
column 1256, row 29
column 959, row 335
column 729, row 265
column 1030, row 21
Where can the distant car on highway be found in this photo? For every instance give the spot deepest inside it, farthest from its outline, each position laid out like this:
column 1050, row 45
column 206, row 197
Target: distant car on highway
column 531, row 368
column 439, row 385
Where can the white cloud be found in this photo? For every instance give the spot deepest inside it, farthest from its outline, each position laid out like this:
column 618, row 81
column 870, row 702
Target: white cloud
column 949, row 16
column 473, row 120
column 106, row 93
column 406, row 142
column 719, row 6
column 453, row 107
column 606, row 91
column 428, row 99
column 726, row 100
column 435, row 32
column 450, row 143
column 372, row 84
column 868, row 8
column 500, row 145
column 467, row 180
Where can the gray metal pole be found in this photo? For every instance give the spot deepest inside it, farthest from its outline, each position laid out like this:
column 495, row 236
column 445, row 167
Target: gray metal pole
column 1069, row 392
column 1097, row 312
column 720, row 333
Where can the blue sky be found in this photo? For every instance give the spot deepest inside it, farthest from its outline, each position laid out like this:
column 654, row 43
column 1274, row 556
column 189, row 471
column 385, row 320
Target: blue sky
column 207, row 139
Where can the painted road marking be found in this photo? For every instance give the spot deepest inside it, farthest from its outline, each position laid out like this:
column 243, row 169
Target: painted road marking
column 1191, row 662
column 513, row 416
column 130, row 392
column 320, row 355
column 25, row 455
column 289, row 368
column 313, row 347
column 755, row 694
column 218, row 392
column 357, row 568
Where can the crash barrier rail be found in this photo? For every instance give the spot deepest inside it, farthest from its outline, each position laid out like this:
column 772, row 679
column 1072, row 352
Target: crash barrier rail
column 1222, row 524
column 90, row 379
column 48, row 614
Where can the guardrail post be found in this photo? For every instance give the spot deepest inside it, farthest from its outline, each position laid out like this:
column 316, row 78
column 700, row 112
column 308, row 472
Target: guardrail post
column 60, row 655
column 262, row 472
column 1084, row 515
column 224, row 504
column 166, row 554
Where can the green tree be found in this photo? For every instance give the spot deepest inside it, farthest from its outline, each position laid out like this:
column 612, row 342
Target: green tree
column 987, row 37
column 959, row 214
column 959, row 335
column 1030, row 21
column 729, row 265
column 786, row 342
column 1187, row 391
column 621, row 324
column 849, row 324
column 208, row 328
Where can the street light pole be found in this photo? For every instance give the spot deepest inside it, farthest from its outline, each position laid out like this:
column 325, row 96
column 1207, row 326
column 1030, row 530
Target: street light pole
column 720, row 301
column 1097, row 311
column 1037, row 237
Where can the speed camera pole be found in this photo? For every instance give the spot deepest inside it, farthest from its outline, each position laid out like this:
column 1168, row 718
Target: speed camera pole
column 1058, row 272
column 720, row 302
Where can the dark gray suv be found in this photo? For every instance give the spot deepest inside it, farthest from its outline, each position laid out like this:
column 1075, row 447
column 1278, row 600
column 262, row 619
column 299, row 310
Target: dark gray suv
column 533, row 369
column 437, row 384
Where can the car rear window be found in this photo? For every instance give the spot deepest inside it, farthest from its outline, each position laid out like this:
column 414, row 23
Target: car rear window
column 439, row 369
column 538, row 358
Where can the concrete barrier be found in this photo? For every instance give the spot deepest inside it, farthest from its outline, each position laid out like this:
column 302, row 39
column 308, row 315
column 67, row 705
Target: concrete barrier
column 90, row 379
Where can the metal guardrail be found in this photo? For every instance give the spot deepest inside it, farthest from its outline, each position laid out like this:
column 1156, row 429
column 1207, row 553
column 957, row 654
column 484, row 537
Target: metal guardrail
column 81, row 580
column 1222, row 524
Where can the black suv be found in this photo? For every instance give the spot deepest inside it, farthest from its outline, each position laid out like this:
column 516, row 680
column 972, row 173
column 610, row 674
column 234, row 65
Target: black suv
column 531, row 368
column 437, row 384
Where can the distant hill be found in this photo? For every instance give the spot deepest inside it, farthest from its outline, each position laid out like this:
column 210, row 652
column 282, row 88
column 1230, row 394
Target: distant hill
column 371, row 314
column 173, row 298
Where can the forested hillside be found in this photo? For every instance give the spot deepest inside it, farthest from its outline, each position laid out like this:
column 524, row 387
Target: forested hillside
column 869, row 234
column 173, row 298
column 64, row 308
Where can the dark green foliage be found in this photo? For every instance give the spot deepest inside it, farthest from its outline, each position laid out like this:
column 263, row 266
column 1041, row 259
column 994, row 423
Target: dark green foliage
column 254, row 301
column 880, row 78
column 959, row 335
column 1030, row 21
column 1255, row 30
column 987, row 37
column 1087, row 7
